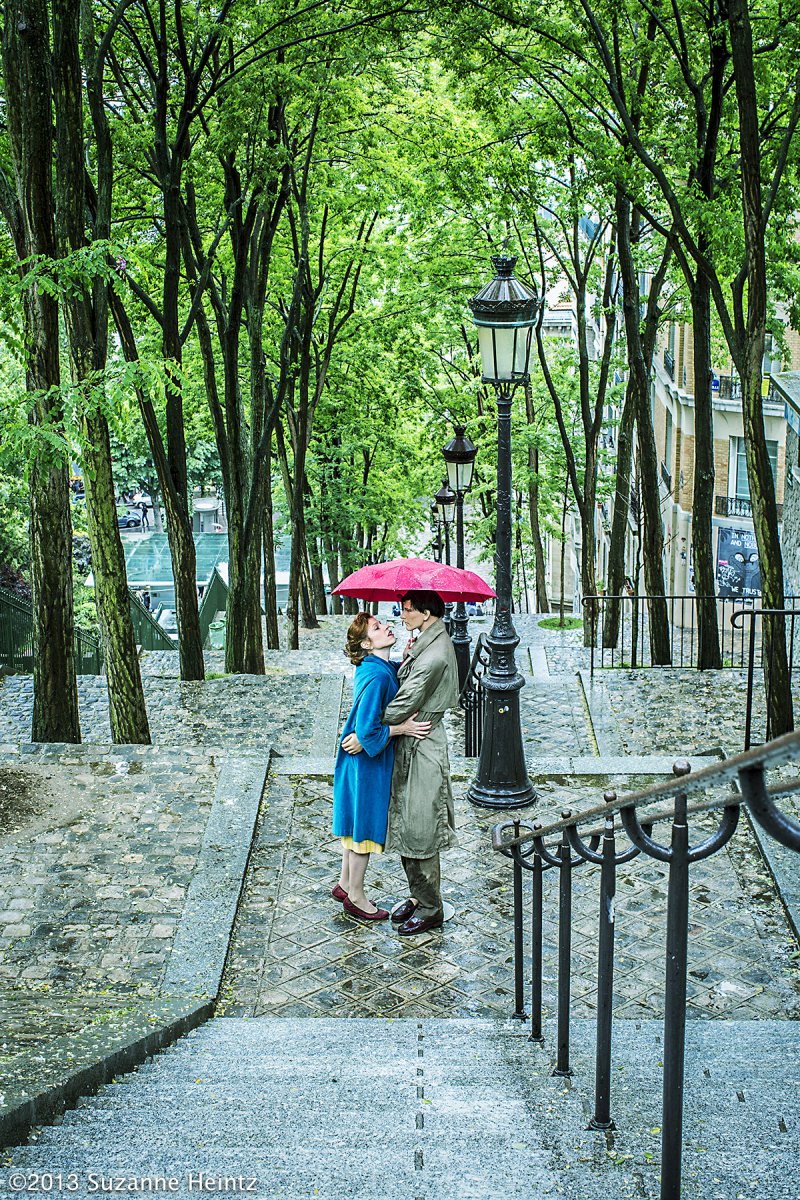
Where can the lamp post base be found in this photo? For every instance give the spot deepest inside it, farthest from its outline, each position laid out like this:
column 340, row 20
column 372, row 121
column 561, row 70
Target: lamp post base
column 502, row 780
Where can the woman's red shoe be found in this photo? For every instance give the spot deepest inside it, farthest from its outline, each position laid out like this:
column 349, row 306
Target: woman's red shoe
column 338, row 892
column 380, row 914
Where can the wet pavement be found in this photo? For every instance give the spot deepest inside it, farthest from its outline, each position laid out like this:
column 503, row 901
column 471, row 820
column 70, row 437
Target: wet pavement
column 96, row 882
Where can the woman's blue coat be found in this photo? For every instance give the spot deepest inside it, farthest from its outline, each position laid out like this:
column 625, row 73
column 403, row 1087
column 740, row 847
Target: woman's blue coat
column 362, row 782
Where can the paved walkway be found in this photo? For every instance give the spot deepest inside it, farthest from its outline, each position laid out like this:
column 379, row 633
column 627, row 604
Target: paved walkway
column 120, row 915
column 425, row 1110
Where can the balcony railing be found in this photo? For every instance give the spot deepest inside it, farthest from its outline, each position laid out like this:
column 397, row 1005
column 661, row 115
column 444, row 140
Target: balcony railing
column 666, row 477
column 733, row 506
column 669, row 363
column 730, row 387
column 738, row 506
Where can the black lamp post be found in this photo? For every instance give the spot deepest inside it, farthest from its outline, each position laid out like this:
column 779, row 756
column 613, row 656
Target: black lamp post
column 436, row 530
column 459, row 454
column 504, row 312
column 445, row 501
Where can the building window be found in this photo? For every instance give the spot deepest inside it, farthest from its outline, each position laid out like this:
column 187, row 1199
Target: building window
column 738, row 484
column 771, row 362
column 668, row 442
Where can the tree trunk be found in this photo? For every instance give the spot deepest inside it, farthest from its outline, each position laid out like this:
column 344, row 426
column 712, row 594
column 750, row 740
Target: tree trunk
column 653, row 534
column 619, row 521
column 318, row 585
column 563, row 551
column 126, row 703
column 777, row 678
column 542, row 601
column 588, row 577
column 708, row 651
column 184, row 569
column 244, row 646
column 86, row 315
column 542, row 604
column 29, row 118
column 270, row 587
column 652, row 538
column 179, row 523
column 307, row 590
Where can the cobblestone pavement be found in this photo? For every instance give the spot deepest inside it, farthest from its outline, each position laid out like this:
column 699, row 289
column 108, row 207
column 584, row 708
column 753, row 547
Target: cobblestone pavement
column 656, row 709
column 295, row 952
column 93, row 883
column 95, row 906
column 296, row 714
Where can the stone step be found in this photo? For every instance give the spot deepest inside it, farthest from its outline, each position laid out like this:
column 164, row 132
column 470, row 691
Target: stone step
column 438, row 1109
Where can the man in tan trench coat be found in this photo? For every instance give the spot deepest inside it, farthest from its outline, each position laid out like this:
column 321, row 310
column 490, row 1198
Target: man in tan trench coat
column 421, row 815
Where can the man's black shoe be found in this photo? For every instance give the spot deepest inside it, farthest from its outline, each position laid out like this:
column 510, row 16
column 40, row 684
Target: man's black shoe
column 420, row 925
column 403, row 912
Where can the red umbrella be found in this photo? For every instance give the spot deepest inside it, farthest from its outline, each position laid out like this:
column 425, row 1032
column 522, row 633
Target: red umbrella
column 391, row 580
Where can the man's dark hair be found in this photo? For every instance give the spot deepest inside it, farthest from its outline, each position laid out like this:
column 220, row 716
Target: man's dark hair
column 421, row 601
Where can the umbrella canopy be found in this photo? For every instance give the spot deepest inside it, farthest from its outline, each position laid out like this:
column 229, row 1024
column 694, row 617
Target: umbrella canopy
column 391, row 580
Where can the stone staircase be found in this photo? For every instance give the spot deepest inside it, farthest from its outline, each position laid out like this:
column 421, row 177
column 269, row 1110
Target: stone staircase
column 440, row 1109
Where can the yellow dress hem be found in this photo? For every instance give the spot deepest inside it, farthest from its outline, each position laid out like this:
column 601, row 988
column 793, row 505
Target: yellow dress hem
column 366, row 847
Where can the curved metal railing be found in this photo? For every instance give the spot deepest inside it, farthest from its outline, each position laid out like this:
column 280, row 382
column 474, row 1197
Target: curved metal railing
column 590, row 836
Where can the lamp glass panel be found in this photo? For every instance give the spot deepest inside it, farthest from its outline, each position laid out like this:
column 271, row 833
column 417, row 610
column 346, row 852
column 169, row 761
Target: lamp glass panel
column 522, row 349
column 465, row 472
column 453, row 474
column 448, row 512
column 486, row 345
column 504, row 351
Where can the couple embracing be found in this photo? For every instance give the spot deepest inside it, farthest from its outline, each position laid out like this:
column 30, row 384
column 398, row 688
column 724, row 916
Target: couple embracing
column 391, row 784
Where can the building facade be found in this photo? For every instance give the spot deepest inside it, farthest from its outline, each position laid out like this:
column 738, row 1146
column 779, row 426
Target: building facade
column 735, row 554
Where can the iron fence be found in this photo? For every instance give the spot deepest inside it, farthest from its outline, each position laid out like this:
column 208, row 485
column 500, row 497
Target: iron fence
column 590, row 837
column 16, row 639
column 755, row 623
column 631, row 646
column 473, row 699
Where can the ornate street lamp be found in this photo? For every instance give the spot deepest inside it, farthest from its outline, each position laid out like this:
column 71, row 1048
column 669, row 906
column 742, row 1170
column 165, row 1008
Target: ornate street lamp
column 504, row 312
column 459, row 454
column 445, row 501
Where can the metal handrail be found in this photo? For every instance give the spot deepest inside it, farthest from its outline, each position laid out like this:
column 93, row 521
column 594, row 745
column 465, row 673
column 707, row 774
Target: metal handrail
column 742, row 780
column 775, row 754
column 16, row 639
column 479, row 659
column 472, row 699
column 149, row 634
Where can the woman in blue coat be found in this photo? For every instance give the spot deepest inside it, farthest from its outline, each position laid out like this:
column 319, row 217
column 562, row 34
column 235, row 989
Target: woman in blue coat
column 362, row 782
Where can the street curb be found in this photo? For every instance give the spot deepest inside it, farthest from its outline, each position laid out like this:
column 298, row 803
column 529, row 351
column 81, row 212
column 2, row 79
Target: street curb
column 123, row 1054
column 601, row 716
column 201, row 943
